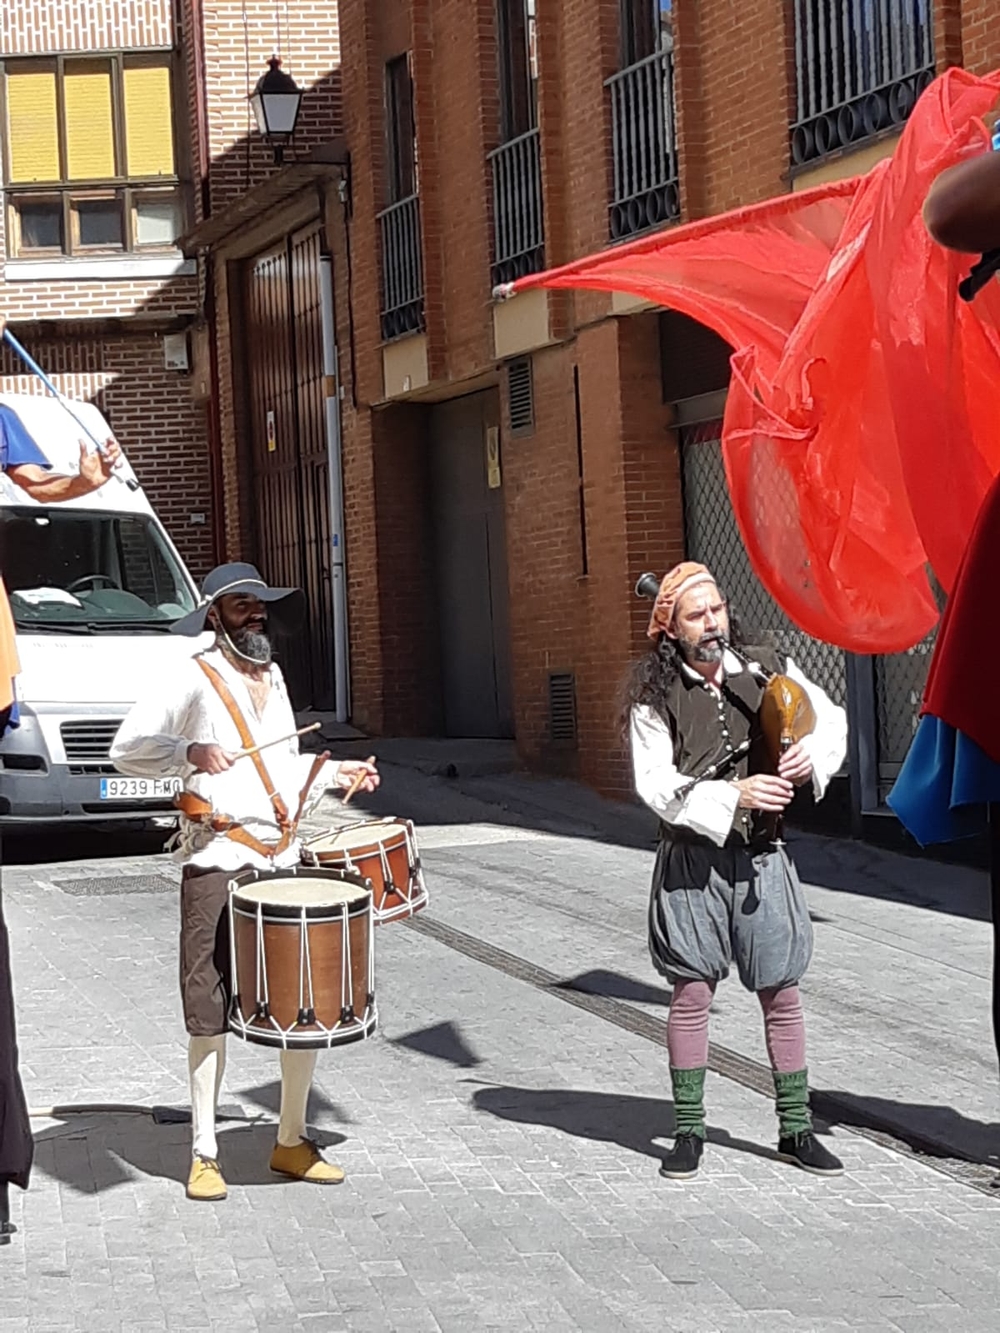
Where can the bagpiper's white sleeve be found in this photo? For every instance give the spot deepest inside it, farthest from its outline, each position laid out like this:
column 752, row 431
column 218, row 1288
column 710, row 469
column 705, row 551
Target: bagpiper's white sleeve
column 153, row 740
column 709, row 807
column 827, row 745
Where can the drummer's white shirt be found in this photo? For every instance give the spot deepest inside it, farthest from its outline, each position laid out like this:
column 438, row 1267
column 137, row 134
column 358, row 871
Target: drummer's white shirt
column 153, row 742
column 710, row 806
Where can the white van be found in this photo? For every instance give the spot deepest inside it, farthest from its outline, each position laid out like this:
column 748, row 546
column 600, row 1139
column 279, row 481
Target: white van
column 94, row 585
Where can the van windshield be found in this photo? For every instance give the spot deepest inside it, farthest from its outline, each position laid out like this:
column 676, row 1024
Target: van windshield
column 69, row 569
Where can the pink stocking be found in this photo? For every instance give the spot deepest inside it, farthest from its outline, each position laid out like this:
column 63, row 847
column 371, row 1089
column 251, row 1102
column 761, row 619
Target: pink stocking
column 687, row 1025
column 784, row 1029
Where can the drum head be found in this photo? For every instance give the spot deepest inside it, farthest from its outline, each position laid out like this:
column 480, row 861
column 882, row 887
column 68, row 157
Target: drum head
column 287, row 897
column 372, row 833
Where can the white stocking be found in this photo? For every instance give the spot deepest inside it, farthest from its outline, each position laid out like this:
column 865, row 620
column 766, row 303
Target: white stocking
column 296, row 1079
column 206, row 1065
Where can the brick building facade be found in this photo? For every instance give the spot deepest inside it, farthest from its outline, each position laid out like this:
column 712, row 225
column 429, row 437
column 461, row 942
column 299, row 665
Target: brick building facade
column 97, row 164
column 508, row 471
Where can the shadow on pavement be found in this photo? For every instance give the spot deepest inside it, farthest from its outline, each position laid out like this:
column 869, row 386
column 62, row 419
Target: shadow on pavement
column 268, row 1097
column 443, row 1041
column 615, row 986
column 604, row 1117
column 104, row 1152
column 933, row 1131
column 514, row 800
column 567, row 809
column 77, row 843
column 858, row 870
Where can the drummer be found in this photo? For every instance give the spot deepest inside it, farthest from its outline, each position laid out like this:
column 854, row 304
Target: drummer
column 238, row 813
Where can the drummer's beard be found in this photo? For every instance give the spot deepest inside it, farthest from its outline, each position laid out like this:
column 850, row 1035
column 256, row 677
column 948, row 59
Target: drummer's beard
column 252, row 642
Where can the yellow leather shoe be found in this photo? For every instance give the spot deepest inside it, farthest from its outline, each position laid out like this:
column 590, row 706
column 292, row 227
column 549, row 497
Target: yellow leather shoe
column 205, row 1182
column 303, row 1162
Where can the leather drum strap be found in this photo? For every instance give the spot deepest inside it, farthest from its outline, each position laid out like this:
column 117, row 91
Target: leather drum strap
column 233, row 709
column 200, row 811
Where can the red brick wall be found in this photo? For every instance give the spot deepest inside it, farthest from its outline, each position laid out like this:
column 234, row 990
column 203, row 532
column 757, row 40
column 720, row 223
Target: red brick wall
column 545, row 549
column 578, row 50
column 151, row 414
column 363, row 93
column 634, row 523
column 363, row 588
column 980, row 36
column 458, row 118
column 404, row 576
column 735, row 100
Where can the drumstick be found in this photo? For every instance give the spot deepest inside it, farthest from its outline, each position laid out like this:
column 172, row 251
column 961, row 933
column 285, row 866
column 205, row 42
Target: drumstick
column 255, row 749
column 358, row 782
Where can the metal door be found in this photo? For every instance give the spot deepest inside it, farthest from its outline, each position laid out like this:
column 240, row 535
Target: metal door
column 471, row 569
column 283, row 347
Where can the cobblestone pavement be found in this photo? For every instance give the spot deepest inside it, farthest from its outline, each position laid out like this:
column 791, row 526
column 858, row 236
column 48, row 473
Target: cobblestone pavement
column 501, row 1143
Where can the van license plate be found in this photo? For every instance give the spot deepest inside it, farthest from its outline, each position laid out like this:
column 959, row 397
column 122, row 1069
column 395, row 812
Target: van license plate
column 138, row 789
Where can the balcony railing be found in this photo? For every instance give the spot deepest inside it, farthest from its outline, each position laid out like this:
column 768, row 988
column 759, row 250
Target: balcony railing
column 402, row 269
column 518, row 229
column 645, row 192
column 860, row 66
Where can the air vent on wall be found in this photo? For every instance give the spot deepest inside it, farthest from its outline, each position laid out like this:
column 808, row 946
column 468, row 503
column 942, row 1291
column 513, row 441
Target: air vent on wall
column 520, row 397
column 562, row 707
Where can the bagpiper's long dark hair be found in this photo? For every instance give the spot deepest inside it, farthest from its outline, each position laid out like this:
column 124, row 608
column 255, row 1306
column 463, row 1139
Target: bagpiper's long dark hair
column 650, row 676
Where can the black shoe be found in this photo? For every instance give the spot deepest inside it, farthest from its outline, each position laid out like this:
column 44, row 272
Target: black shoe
column 805, row 1150
column 684, row 1157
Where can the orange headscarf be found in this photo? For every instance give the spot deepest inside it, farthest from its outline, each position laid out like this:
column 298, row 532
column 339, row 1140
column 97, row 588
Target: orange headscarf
column 688, row 574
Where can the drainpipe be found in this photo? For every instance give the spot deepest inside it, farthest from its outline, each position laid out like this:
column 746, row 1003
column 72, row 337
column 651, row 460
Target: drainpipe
column 338, row 571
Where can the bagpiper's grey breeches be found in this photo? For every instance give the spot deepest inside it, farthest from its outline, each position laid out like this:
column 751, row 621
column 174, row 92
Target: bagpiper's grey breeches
column 712, row 906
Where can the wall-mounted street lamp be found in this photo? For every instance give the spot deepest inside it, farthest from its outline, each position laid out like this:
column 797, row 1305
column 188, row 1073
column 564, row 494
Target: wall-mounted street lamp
column 276, row 101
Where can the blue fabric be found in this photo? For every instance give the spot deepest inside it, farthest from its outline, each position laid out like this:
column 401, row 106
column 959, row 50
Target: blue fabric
column 944, row 785
column 16, row 445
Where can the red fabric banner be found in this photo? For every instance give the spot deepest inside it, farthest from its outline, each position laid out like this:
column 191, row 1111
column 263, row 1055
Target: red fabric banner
column 862, row 426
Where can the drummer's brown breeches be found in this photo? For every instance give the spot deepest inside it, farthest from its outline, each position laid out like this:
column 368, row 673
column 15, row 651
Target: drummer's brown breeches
column 205, row 961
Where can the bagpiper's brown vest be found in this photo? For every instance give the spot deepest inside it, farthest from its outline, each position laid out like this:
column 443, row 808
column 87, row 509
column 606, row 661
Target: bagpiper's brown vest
column 706, row 726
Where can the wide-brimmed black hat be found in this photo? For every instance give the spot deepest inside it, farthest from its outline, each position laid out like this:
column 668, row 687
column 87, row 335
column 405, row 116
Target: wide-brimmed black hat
column 286, row 606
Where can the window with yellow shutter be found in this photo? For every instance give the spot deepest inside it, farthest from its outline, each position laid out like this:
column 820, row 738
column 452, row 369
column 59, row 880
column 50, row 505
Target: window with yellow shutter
column 32, row 127
column 149, row 136
column 90, row 159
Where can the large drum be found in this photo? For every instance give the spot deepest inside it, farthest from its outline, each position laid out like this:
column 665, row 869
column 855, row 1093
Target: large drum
column 303, row 964
column 385, row 852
